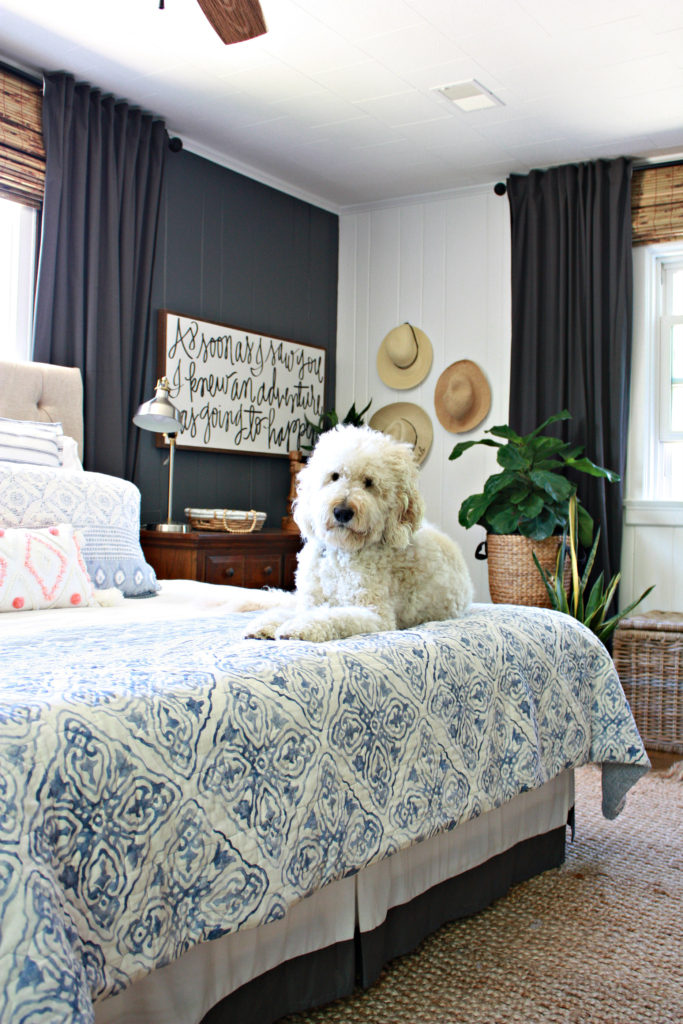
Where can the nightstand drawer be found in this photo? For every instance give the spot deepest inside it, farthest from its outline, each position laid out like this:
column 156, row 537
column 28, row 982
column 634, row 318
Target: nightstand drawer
column 264, row 558
column 262, row 571
column 225, row 569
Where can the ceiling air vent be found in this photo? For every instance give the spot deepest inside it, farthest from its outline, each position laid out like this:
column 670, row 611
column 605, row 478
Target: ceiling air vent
column 469, row 95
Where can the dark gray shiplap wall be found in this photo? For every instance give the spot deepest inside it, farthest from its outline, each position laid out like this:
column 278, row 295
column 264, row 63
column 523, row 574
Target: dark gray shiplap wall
column 234, row 251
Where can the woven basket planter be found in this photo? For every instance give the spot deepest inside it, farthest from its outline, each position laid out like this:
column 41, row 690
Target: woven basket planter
column 513, row 576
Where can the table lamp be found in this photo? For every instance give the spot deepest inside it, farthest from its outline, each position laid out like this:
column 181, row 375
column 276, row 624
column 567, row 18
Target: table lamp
column 161, row 416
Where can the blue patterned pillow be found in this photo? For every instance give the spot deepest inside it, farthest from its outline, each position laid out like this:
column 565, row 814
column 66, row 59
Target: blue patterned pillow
column 105, row 508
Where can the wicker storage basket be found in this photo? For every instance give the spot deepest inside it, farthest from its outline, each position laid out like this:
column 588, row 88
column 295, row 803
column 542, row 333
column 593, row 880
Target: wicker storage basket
column 229, row 520
column 648, row 655
column 513, row 576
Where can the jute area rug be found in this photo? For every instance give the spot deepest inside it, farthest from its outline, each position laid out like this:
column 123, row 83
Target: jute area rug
column 596, row 941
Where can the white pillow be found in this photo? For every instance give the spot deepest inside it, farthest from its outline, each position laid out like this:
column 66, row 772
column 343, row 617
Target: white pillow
column 69, row 453
column 30, row 443
column 43, row 569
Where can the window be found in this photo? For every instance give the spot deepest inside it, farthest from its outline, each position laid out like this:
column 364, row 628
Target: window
column 22, row 180
column 17, row 275
column 655, row 443
column 671, row 350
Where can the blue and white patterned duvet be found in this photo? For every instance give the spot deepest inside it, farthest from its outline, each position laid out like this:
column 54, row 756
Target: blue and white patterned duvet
column 163, row 785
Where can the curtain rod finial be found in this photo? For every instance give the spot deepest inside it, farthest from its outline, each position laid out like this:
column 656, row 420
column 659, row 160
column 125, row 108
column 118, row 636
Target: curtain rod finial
column 500, row 188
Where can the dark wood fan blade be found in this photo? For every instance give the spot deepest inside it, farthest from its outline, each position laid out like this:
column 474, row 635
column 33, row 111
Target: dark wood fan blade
column 235, row 20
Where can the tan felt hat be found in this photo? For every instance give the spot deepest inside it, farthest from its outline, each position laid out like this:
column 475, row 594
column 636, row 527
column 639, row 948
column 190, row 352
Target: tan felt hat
column 462, row 397
column 407, row 422
column 404, row 357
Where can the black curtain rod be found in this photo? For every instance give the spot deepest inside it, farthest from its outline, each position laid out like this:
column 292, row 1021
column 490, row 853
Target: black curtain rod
column 651, row 164
column 29, row 76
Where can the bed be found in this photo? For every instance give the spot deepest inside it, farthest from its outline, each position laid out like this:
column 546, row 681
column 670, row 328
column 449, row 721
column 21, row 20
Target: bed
column 196, row 827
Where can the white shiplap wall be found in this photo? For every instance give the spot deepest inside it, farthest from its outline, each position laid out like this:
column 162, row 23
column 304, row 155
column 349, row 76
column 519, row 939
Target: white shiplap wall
column 444, row 265
column 651, row 553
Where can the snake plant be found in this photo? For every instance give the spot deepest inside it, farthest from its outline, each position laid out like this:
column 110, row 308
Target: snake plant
column 589, row 607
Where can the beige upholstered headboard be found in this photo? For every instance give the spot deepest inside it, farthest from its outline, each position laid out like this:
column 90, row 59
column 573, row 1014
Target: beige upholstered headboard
column 39, row 391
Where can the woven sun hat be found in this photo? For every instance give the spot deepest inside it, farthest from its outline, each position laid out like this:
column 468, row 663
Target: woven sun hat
column 462, row 397
column 407, row 422
column 404, row 357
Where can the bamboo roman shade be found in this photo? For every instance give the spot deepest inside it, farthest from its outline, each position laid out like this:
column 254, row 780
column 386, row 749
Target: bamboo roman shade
column 22, row 155
column 657, row 204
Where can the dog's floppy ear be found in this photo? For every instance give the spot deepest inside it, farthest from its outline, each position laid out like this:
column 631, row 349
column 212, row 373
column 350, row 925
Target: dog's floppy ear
column 414, row 508
column 406, row 516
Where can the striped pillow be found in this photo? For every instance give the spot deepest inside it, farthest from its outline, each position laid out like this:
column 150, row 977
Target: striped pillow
column 37, row 444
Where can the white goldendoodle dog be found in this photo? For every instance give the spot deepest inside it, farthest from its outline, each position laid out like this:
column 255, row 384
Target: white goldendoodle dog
column 367, row 563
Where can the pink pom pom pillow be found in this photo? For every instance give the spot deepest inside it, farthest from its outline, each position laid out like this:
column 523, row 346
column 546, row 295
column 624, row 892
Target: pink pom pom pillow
column 43, row 569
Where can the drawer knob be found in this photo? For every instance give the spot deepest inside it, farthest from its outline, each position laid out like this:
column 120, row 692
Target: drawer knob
column 268, row 570
column 230, row 572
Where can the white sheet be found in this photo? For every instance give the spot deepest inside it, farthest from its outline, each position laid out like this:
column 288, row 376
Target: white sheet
column 177, row 599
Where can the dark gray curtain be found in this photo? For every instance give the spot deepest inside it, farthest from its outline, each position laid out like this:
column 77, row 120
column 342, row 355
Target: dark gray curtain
column 104, row 173
column 572, row 295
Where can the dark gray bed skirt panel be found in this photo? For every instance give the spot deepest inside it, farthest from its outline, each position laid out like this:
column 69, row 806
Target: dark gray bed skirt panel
column 334, row 972
column 407, row 925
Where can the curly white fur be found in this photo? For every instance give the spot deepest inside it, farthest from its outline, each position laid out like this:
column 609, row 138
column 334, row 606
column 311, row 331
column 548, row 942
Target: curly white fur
column 368, row 563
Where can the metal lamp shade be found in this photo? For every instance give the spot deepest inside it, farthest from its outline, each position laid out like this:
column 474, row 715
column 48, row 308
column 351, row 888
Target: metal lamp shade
column 161, row 416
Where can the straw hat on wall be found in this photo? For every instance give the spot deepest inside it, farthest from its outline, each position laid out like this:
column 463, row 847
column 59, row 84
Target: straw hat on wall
column 406, row 422
column 462, row 397
column 404, row 357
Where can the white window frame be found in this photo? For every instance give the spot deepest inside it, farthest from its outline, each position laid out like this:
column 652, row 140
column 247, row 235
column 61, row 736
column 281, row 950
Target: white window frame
column 17, row 269
column 653, row 449
column 667, row 321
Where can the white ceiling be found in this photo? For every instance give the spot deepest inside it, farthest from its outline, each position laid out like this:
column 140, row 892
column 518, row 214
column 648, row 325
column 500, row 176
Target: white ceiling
column 336, row 103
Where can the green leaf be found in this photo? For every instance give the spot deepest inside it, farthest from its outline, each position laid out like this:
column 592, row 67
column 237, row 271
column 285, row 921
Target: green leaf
column 548, row 580
column 564, row 415
column 585, row 465
column 609, row 626
column 473, row 509
column 355, row 418
column 540, row 526
column 585, row 526
column 519, row 489
column 497, row 483
column 531, row 507
column 505, row 521
column 545, row 446
column 512, row 458
column 504, row 431
column 464, row 445
column 590, row 560
column 558, row 487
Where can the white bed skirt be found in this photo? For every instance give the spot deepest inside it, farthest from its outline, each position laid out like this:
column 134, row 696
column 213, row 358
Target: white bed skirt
column 183, row 992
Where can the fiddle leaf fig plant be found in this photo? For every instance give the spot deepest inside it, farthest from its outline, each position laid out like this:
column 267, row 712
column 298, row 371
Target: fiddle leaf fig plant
column 530, row 496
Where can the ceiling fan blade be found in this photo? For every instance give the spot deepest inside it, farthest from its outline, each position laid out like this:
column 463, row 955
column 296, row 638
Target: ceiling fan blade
column 235, row 21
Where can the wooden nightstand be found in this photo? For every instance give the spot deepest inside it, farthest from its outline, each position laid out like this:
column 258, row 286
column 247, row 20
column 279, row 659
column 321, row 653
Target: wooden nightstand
column 266, row 558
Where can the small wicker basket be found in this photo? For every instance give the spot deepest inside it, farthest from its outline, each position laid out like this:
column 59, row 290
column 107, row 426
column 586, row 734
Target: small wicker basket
column 229, row 520
column 648, row 656
column 513, row 576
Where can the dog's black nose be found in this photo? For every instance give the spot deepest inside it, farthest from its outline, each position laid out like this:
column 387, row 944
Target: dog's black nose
column 343, row 514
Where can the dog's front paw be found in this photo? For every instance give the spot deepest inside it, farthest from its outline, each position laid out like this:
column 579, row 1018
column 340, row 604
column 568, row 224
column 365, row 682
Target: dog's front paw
column 264, row 627
column 303, row 628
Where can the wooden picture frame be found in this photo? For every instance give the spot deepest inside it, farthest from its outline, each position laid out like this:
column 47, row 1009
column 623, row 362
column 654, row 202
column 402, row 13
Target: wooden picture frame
column 238, row 390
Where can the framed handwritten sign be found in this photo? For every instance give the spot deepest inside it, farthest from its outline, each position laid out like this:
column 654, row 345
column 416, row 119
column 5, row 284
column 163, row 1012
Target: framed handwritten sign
column 237, row 390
